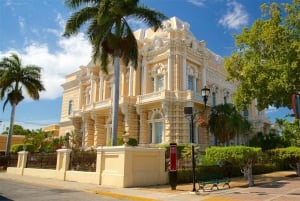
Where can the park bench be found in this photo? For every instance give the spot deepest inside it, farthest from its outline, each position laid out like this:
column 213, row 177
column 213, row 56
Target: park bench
column 213, row 181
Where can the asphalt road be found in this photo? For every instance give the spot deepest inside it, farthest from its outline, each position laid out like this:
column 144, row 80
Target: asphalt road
column 18, row 191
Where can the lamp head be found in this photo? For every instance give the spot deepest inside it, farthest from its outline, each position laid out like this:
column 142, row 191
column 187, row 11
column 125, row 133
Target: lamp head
column 205, row 93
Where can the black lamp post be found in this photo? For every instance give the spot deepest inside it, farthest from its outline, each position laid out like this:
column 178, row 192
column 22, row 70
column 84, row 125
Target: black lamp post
column 191, row 116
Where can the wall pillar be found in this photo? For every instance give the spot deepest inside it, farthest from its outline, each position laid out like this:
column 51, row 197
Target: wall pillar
column 169, row 71
column 99, row 133
column 88, row 131
column 144, row 129
column 62, row 162
column 22, row 161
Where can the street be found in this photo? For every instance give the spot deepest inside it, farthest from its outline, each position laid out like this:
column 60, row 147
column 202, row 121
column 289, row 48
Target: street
column 18, row 191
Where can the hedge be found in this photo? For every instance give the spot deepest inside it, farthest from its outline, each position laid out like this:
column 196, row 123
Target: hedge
column 185, row 175
column 20, row 147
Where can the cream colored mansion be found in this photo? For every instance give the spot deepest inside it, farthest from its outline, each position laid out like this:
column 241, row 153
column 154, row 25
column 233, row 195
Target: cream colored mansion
column 173, row 68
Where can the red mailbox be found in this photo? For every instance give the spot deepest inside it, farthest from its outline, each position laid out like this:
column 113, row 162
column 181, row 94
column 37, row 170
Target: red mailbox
column 173, row 157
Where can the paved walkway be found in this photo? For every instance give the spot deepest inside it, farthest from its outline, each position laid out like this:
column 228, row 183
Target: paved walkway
column 287, row 190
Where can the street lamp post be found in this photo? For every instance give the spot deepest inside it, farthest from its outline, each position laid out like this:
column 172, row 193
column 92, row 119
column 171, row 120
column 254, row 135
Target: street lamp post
column 191, row 116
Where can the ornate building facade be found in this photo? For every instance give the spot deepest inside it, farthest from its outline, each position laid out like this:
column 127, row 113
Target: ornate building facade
column 173, row 68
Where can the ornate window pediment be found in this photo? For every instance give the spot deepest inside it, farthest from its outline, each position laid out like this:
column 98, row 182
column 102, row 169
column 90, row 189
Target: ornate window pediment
column 192, row 77
column 158, row 73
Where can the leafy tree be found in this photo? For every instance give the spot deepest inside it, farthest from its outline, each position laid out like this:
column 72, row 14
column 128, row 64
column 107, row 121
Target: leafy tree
column 243, row 156
column 266, row 62
column 110, row 34
column 17, row 130
column 290, row 131
column 38, row 139
column 225, row 122
column 14, row 77
column 267, row 141
column 291, row 155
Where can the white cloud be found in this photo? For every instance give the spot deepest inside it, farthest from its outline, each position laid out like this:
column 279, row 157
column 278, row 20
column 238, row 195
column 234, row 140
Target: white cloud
column 73, row 53
column 199, row 3
column 236, row 16
column 69, row 55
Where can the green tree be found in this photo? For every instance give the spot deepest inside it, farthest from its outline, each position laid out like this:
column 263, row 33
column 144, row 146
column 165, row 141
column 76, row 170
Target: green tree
column 225, row 122
column 17, row 130
column 110, row 34
column 14, row 77
column 38, row 138
column 267, row 141
column 290, row 155
column 266, row 62
column 290, row 131
column 243, row 156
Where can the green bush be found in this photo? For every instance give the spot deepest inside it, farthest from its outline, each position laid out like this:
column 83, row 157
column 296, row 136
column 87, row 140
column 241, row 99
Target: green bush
column 20, row 147
column 3, row 160
column 186, row 175
column 131, row 141
column 180, row 147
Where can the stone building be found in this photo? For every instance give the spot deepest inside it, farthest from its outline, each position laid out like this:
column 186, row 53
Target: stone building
column 173, row 68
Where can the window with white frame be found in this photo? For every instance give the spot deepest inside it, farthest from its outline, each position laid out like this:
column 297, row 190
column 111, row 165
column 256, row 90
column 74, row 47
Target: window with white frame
column 88, row 96
column 160, row 82
column 192, row 78
column 190, row 82
column 214, row 98
column 156, row 130
column 70, row 107
column 152, row 84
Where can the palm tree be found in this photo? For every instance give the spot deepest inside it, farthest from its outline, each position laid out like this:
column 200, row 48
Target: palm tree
column 13, row 76
column 110, row 35
column 225, row 122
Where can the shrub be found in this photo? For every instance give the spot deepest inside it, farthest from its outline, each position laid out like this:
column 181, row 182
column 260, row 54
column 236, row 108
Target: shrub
column 20, row 147
column 3, row 161
column 131, row 141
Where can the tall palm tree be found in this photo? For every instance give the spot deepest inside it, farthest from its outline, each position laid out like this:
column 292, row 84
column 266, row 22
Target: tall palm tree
column 14, row 76
column 225, row 122
column 110, row 35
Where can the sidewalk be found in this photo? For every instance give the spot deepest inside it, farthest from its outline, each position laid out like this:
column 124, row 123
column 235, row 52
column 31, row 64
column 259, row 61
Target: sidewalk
column 288, row 188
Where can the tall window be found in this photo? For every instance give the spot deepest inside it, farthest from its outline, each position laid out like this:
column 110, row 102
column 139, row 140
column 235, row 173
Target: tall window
column 70, row 107
column 88, row 96
column 160, row 82
column 191, row 79
column 152, row 84
column 191, row 82
column 156, row 130
column 214, row 99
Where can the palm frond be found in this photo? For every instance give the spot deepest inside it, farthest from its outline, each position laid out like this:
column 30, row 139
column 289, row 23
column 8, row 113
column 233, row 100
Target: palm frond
column 78, row 3
column 78, row 19
column 151, row 17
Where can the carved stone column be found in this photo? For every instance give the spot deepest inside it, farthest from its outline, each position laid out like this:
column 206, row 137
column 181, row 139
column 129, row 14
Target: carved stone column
column 88, row 131
column 144, row 129
column 99, row 130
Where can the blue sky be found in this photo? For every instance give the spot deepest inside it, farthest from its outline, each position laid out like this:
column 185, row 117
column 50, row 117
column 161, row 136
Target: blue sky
column 33, row 29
